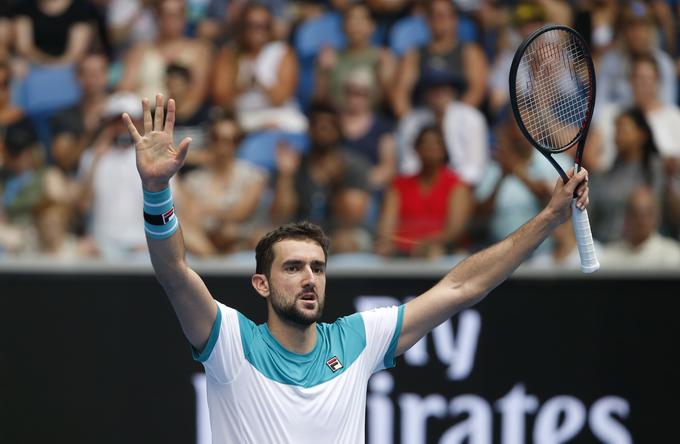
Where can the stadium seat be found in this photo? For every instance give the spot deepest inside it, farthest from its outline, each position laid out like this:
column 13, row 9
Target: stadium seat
column 310, row 37
column 260, row 147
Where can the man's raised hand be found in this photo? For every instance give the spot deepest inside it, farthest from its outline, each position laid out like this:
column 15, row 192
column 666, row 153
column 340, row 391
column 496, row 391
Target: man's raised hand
column 157, row 157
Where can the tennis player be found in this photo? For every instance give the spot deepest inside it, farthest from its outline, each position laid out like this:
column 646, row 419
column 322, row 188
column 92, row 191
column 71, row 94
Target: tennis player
column 293, row 379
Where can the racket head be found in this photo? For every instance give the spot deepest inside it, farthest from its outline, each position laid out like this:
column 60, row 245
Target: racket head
column 552, row 89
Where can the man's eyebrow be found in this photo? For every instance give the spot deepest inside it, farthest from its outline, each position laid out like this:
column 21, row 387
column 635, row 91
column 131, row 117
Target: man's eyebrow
column 319, row 263
column 300, row 262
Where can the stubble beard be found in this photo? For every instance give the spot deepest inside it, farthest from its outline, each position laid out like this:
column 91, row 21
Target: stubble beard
column 291, row 313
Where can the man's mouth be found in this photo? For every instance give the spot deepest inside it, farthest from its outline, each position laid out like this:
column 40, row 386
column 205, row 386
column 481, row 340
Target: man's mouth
column 308, row 296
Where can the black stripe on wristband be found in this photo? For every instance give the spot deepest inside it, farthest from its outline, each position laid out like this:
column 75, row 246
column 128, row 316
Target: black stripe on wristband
column 159, row 219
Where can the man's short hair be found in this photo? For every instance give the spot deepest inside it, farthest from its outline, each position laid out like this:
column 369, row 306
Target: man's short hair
column 264, row 252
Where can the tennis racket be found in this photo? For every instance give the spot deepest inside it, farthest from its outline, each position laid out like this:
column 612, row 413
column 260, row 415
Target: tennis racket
column 552, row 93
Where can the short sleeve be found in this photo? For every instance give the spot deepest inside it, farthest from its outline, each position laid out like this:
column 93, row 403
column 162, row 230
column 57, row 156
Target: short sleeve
column 383, row 327
column 222, row 357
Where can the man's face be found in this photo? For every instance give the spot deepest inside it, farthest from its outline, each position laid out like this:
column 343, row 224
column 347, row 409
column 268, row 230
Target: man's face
column 298, row 281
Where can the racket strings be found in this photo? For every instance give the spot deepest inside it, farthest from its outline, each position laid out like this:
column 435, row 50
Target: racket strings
column 553, row 89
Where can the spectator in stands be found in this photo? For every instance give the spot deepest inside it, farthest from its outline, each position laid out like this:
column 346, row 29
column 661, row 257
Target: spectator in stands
column 9, row 113
column 638, row 39
column 465, row 61
column 334, row 68
column 191, row 116
column 426, row 213
column 221, row 199
column 516, row 184
column 50, row 32
column 146, row 63
column 464, row 127
column 222, row 16
column 5, row 31
column 642, row 247
column 21, row 185
column 53, row 236
column 257, row 77
column 636, row 164
column 68, row 143
column 526, row 18
column 74, row 128
column 328, row 175
column 596, row 22
column 365, row 132
column 663, row 118
column 131, row 22
column 111, row 189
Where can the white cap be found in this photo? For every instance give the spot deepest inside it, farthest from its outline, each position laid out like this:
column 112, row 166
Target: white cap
column 123, row 102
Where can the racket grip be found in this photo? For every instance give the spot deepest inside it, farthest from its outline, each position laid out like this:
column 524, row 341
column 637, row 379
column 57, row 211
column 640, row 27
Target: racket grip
column 584, row 239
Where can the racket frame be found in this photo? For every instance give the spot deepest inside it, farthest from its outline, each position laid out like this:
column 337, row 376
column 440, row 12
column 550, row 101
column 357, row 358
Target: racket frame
column 585, row 125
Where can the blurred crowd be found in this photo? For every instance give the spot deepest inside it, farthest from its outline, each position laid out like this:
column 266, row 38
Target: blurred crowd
column 387, row 122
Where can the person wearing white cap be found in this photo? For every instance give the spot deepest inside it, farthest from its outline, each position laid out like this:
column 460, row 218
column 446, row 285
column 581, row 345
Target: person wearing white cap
column 111, row 188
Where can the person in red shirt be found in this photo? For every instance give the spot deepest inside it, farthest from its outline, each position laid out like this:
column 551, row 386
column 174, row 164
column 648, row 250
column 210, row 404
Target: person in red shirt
column 425, row 213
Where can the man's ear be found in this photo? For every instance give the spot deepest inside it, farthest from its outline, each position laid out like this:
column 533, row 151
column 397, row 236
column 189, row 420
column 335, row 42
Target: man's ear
column 260, row 284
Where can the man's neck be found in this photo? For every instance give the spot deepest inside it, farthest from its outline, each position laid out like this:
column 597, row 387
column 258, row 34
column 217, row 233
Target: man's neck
column 293, row 337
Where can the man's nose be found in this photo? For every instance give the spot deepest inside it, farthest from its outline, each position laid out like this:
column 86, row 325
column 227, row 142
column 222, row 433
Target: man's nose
column 309, row 276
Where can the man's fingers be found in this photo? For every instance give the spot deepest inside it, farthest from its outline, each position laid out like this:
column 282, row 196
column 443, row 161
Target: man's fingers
column 170, row 117
column 575, row 180
column 132, row 129
column 148, row 123
column 158, row 121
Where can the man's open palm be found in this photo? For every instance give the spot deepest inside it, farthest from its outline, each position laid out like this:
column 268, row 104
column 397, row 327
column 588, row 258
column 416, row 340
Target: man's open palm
column 157, row 157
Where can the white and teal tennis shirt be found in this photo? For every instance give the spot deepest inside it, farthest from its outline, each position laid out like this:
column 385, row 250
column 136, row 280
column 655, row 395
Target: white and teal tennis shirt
column 261, row 393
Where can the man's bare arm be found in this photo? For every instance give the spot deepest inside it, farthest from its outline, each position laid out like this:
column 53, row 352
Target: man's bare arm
column 472, row 279
column 157, row 161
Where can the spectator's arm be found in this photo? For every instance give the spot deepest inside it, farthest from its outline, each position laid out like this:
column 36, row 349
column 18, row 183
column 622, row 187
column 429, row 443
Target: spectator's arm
column 200, row 75
column 224, row 79
column 460, row 207
column 486, row 206
column 383, row 173
column 476, row 75
column 387, row 70
column 459, row 210
column 538, row 188
column 285, row 201
column 247, row 204
column 79, row 37
column 287, row 77
column 388, row 223
column 325, row 63
column 25, row 45
column 5, row 37
column 405, row 81
column 133, row 61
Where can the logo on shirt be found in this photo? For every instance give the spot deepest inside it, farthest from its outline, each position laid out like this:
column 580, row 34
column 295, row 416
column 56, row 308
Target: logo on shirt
column 334, row 364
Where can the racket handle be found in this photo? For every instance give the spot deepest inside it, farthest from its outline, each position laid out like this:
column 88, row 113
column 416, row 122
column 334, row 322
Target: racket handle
column 584, row 239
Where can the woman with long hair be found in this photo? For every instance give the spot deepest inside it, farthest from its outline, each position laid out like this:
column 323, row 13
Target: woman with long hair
column 637, row 163
column 426, row 214
column 256, row 77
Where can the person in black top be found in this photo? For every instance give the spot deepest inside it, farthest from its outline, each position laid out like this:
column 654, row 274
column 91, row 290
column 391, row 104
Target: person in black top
column 53, row 31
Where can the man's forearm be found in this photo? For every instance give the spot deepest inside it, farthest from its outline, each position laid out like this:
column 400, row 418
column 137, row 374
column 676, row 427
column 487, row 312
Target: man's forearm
column 484, row 271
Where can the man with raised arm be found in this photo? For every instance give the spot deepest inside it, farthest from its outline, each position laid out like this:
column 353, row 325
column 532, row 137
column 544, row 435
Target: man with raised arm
column 294, row 379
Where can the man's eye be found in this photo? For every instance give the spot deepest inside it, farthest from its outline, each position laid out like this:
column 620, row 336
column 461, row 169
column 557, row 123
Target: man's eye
column 318, row 270
column 292, row 268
